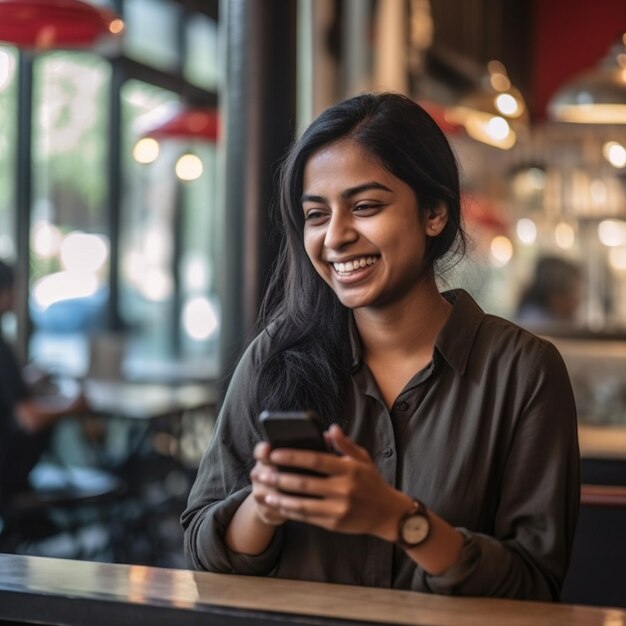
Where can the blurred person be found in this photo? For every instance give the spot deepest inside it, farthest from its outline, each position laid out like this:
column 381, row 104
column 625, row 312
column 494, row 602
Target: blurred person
column 455, row 465
column 26, row 419
column 554, row 296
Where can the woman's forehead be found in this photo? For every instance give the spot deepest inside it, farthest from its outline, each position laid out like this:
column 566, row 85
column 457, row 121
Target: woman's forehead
column 344, row 157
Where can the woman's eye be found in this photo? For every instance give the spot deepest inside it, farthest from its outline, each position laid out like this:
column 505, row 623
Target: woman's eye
column 314, row 216
column 366, row 209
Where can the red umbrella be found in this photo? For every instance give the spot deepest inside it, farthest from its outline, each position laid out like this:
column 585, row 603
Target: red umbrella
column 45, row 24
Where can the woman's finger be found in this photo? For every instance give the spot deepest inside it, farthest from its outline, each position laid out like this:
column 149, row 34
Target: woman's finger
column 270, row 515
column 326, row 513
column 343, row 444
column 293, row 482
column 303, row 509
column 319, row 462
column 262, row 451
column 267, row 513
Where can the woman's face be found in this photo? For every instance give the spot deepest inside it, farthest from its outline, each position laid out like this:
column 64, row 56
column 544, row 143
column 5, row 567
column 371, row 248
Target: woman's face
column 363, row 231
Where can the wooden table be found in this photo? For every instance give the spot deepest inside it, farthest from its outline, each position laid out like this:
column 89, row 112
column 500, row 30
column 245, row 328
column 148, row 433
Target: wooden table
column 149, row 407
column 56, row 591
column 146, row 400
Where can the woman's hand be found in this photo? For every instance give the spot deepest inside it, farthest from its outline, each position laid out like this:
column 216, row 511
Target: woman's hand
column 262, row 476
column 352, row 497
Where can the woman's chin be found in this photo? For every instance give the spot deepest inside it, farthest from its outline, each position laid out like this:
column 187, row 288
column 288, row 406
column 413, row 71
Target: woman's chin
column 355, row 301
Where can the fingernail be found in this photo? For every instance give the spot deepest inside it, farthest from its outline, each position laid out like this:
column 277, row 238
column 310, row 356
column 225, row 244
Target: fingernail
column 271, row 499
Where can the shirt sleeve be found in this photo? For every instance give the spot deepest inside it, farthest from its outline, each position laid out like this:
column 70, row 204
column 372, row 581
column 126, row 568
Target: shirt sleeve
column 222, row 483
column 528, row 554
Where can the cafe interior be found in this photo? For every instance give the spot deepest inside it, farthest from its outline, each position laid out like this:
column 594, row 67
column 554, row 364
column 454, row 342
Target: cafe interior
column 139, row 145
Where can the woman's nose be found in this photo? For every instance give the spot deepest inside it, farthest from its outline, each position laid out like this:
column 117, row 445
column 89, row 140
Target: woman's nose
column 340, row 232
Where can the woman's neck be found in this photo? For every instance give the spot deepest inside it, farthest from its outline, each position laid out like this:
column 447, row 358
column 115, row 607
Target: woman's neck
column 409, row 327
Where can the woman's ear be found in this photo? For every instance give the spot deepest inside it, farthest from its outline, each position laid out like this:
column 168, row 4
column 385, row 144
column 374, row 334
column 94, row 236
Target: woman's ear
column 436, row 220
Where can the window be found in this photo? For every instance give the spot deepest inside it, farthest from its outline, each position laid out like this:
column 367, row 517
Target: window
column 201, row 63
column 8, row 125
column 167, row 228
column 69, row 239
column 168, row 241
column 152, row 32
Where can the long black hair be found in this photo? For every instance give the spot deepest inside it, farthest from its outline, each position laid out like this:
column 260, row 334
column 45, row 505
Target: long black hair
column 309, row 364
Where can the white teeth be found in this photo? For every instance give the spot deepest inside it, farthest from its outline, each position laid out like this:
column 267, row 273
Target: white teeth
column 350, row 266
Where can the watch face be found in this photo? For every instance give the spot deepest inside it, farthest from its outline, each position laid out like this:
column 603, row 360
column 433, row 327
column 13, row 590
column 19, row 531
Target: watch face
column 415, row 529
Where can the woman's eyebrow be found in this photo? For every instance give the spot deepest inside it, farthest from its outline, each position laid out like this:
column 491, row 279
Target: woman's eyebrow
column 353, row 191
column 348, row 193
column 311, row 198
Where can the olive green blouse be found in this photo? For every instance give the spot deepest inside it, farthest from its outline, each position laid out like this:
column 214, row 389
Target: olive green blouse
column 485, row 436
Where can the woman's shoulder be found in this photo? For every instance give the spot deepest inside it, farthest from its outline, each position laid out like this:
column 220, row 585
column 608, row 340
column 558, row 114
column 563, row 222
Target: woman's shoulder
column 510, row 341
column 494, row 338
column 262, row 343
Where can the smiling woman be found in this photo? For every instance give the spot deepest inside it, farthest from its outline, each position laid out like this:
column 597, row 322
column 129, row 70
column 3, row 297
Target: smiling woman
column 454, row 464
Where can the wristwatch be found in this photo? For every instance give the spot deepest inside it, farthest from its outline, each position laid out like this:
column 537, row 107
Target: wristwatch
column 414, row 526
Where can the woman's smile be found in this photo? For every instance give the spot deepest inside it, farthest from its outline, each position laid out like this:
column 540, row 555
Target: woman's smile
column 354, row 269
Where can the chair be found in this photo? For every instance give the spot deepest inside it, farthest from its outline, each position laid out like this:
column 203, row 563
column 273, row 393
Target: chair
column 53, row 517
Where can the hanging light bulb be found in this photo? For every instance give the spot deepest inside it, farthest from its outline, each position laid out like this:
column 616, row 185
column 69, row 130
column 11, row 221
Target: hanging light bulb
column 189, row 167
column 614, row 153
column 597, row 96
column 495, row 112
column 146, row 150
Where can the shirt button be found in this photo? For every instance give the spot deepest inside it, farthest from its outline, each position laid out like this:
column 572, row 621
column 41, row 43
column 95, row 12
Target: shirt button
column 402, row 406
column 388, row 452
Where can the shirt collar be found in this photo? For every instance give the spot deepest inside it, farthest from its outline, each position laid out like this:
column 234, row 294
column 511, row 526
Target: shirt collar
column 455, row 339
column 355, row 344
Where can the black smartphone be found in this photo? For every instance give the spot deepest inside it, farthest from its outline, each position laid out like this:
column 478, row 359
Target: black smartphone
column 294, row 429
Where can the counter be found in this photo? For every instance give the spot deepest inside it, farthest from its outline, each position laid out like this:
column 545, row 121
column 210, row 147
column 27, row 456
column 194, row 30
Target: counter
column 72, row 593
column 602, row 442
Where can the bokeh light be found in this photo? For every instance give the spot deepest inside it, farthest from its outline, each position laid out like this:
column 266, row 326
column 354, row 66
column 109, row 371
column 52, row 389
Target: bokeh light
column 501, row 250
column 199, row 318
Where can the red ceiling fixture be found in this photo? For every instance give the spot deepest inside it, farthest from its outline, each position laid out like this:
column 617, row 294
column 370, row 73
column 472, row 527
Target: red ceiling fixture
column 191, row 124
column 48, row 24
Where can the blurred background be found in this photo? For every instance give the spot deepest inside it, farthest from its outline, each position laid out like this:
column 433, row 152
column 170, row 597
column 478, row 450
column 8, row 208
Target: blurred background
column 138, row 153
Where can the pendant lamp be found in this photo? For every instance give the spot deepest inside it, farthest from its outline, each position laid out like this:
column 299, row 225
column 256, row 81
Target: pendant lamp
column 48, row 24
column 597, row 96
column 187, row 124
column 494, row 112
